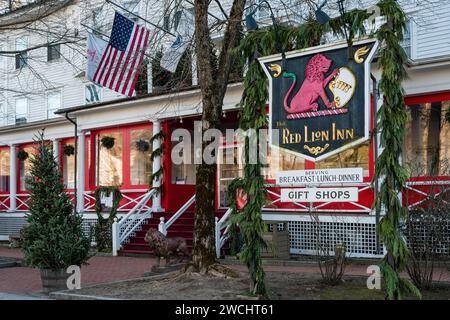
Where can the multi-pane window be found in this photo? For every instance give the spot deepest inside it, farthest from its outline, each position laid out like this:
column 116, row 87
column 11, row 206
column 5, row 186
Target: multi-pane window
column 140, row 162
column 21, row 110
column 21, row 56
column 357, row 157
column 407, row 39
column 53, row 103
column 69, row 167
column 24, row 170
column 53, row 52
column 92, row 93
column 109, row 159
column 426, row 149
column 122, row 157
column 3, row 113
column 133, row 7
column 4, row 170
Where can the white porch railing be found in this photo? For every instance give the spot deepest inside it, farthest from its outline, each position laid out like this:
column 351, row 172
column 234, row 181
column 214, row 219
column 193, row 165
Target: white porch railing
column 89, row 200
column 163, row 226
column 122, row 230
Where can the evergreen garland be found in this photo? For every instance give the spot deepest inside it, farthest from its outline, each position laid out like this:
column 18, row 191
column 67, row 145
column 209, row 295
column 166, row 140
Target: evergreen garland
column 102, row 229
column 157, row 153
column 392, row 118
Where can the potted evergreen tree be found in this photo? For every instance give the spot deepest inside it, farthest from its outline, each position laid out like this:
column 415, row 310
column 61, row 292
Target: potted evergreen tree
column 53, row 239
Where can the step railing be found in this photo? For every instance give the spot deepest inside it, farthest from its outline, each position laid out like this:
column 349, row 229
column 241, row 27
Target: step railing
column 163, row 226
column 221, row 237
column 123, row 229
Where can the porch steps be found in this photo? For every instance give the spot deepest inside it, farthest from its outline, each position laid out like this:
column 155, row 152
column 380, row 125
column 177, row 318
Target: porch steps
column 183, row 227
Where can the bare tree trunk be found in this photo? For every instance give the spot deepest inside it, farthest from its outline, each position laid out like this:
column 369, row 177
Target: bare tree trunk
column 213, row 84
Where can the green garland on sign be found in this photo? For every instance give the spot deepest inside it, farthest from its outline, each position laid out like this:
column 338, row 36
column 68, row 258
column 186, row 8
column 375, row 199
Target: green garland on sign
column 157, row 153
column 392, row 118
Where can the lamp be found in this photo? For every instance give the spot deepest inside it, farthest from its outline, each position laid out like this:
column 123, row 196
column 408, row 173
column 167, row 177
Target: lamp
column 321, row 16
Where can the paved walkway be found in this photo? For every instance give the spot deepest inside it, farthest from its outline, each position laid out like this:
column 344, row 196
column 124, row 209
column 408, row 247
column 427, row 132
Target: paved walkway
column 100, row 270
column 23, row 281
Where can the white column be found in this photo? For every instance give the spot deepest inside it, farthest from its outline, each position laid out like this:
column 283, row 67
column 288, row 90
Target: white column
column 56, row 151
column 12, row 178
column 81, row 185
column 156, row 203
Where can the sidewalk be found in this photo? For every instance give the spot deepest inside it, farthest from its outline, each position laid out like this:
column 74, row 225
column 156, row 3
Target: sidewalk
column 22, row 280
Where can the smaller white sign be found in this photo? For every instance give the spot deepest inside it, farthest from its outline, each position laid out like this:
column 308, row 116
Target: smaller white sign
column 319, row 176
column 319, row 195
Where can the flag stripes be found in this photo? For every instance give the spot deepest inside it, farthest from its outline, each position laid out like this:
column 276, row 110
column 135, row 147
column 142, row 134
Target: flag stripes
column 119, row 67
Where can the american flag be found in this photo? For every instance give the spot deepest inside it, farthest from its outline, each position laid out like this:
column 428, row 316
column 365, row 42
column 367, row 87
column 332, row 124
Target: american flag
column 119, row 67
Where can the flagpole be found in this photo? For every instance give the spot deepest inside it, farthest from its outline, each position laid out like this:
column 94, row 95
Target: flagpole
column 137, row 16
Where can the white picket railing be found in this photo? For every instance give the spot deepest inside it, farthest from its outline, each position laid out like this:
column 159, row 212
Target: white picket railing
column 163, row 226
column 122, row 230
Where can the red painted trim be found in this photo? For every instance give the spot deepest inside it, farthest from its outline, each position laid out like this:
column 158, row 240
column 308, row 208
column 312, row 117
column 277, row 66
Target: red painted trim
column 427, row 98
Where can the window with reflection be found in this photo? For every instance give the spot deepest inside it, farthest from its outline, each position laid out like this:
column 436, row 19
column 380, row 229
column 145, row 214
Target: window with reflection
column 4, row 170
column 357, row 157
column 184, row 173
column 69, row 168
column 426, row 149
column 281, row 160
column 109, row 159
column 230, row 168
column 24, row 169
column 140, row 152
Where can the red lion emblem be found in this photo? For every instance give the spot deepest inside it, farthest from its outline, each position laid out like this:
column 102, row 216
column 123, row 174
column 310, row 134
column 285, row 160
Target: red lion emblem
column 312, row 88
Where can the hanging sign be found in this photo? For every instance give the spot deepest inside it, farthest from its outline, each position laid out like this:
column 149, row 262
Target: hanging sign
column 320, row 103
column 319, row 176
column 319, row 195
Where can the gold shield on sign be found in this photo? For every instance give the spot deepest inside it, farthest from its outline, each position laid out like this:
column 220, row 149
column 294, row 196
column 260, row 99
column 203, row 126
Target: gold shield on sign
column 343, row 87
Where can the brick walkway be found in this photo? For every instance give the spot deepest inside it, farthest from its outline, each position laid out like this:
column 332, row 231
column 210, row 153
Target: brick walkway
column 99, row 270
column 107, row 269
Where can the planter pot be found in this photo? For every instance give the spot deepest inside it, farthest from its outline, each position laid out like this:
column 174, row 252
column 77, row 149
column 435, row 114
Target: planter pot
column 54, row 280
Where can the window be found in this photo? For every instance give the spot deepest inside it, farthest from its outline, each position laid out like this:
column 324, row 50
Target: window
column 263, row 9
column 357, row 157
column 53, row 103
column 184, row 173
column 407, row 41
column 427, row 139
column 229, row 171
column 132, row 6
column 4, row 170
column 3, row 113
column 127, row 162
column 22, row 57
column 92, row 93
column 109, row 161
column 24, row 170
column 53, row 52
column 21, row 110
column 69, row 168
column 281, row 161
column 140, row 162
